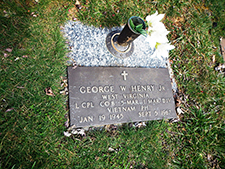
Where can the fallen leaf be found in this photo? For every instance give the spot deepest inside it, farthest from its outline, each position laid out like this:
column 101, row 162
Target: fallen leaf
column 63, row 92
column 77, row 4
column 49, row 92
column 9, row 110
column 20, row 87
column 67, row 123
column 64, row 79
column 6, row 55
column 33, row 14
column 74, row 65
column 107, row 127
column 79, row 131
column 179, row 111
column 64, row 84
column 214, row 59
column 66, row 133
column 71, row 127
column 111, row 149
column 209, row 157
column 175, row 120
column 8, row 50
column 17, row 59
column 139, row 124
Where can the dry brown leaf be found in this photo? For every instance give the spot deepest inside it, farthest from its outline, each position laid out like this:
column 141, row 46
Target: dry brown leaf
column 8, row 50
column 78, row 4
column 64, row 82
column 17, row 58
column 111, row 149
column 74, row 64
column 63, row 92
column 67, row 134
column 49, row 92
column 20, row 87
column 9, row 109
column 6, row 55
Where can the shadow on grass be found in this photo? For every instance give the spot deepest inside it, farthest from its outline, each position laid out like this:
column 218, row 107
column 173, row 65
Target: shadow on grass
column 29, row 118
column 14, row 18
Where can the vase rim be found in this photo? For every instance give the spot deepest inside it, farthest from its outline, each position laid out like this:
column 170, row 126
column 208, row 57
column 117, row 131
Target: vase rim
column 143, row 22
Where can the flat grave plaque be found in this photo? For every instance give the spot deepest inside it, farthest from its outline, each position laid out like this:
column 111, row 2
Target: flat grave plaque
column 112, row 95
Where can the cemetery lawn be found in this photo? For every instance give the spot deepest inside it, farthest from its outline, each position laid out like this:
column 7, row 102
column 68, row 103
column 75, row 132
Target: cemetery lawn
column 32, row 122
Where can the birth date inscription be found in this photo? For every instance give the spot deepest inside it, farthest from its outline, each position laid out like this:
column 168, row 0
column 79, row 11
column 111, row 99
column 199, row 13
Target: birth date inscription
column 107, row 95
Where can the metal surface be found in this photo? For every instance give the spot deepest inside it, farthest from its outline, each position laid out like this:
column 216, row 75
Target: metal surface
column 128, row 35
column 117, row 50
column 112, row 95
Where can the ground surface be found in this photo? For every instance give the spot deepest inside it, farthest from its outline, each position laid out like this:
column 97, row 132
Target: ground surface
column 33, row 56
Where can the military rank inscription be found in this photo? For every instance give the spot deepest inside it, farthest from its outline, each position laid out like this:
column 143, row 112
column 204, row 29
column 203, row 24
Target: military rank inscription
column 111, row 95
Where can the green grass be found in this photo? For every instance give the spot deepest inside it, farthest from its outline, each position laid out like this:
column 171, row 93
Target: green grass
column 32, row 123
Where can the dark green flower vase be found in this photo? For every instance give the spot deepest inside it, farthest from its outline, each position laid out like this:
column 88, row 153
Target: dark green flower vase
column 120, row 44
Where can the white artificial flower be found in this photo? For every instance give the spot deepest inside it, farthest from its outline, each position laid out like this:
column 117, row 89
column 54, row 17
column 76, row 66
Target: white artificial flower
column 157, row 36
column 154, row 19
column 162, row 49
column 156, row 30
column 159, row 26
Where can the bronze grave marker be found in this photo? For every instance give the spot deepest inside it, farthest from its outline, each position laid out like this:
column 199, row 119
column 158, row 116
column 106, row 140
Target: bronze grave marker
column 112, row 95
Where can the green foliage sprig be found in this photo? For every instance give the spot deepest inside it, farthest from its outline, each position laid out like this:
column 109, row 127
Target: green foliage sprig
column 137, row 27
